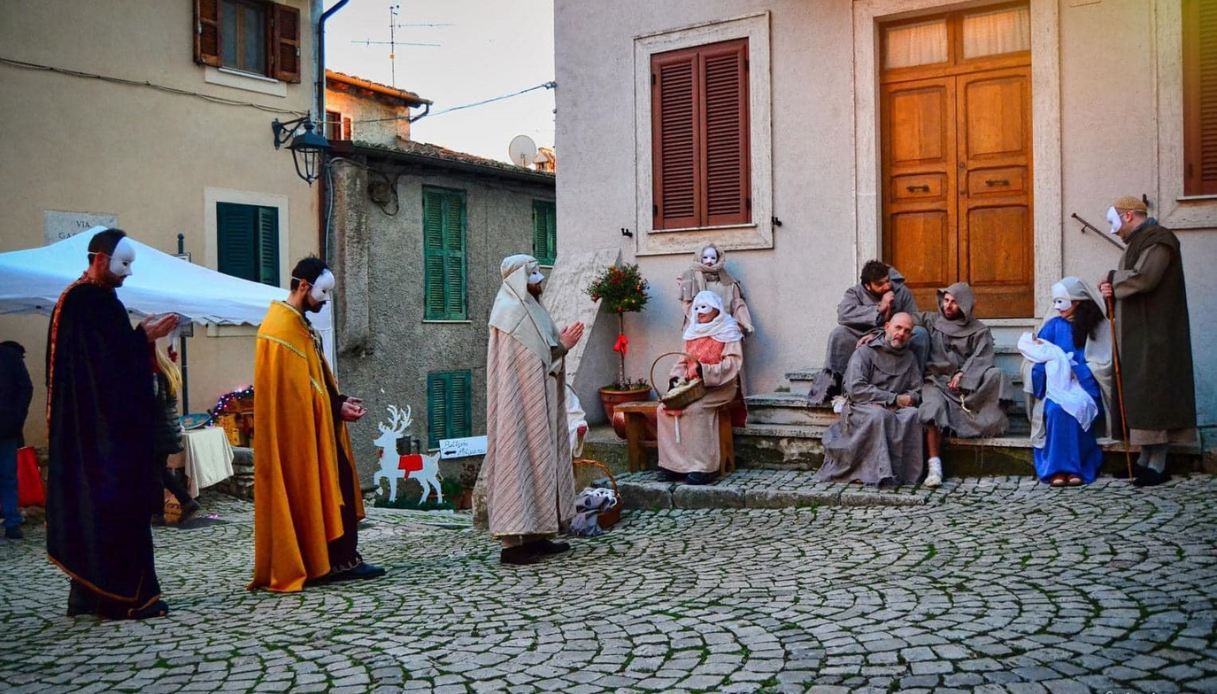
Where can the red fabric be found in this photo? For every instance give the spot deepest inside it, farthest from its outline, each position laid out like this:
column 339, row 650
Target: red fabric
column 30, row 490
column 706, row 350
column 410, row 463
column 622, row 345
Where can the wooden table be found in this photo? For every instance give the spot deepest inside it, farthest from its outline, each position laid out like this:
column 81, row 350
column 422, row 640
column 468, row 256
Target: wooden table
column 636, row 443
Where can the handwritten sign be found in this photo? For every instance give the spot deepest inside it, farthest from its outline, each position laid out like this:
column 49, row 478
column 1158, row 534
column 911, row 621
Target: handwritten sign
column 58, row 225
column 462, row 448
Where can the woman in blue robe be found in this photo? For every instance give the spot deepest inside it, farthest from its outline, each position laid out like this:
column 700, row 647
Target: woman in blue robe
column 1067, row 452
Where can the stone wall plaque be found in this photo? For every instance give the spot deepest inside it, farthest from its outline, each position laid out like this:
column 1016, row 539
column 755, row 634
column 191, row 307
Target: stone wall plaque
column 58, row 225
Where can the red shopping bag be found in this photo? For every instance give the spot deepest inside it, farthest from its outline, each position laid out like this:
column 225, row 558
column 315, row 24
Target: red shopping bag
column 30, row 490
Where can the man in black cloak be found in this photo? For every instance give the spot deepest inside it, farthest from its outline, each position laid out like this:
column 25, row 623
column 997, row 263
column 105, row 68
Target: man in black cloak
column 104, row 483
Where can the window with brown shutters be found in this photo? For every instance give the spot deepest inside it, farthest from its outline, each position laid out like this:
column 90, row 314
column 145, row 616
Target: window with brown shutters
column 1200, row 97
column 248, row 35
column 699, row 139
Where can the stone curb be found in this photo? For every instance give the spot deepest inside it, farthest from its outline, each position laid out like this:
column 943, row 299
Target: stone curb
column 656, row 495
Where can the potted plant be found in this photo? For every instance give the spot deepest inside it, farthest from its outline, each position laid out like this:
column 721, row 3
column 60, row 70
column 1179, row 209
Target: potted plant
column 622, row 289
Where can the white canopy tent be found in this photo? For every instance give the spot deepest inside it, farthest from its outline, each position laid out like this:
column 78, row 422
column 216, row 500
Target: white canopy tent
column 32, row 280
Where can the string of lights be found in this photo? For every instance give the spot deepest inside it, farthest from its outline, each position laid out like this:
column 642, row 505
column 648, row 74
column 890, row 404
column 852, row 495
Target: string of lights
column 150, row 85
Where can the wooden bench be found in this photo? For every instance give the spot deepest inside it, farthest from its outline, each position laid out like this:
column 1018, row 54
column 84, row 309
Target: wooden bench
column 636, row 416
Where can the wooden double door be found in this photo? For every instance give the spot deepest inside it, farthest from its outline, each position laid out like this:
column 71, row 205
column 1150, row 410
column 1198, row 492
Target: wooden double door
column 957, row 174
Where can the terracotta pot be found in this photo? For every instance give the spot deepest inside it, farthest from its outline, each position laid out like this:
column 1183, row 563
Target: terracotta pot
column 611, row 398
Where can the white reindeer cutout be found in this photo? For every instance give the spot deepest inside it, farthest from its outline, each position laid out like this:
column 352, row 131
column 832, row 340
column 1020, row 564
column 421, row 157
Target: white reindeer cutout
column 424, row 468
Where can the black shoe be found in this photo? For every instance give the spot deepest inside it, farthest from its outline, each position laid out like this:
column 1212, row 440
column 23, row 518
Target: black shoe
column 359, row 572
column 80, row 601
column 1151, row 478
column 665, row 475
column 700, row 477
column 543, row 547
column 519, row 555
column 156, row 609
column 188, row 509
column 13, row 532
column 1139, row 470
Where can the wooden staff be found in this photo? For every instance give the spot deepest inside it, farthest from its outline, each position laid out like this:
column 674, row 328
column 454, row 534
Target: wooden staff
column 1115, row 353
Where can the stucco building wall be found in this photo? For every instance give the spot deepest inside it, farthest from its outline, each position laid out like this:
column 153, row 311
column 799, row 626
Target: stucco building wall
column 1105, row 91
column 387, row 348
column 156, row 160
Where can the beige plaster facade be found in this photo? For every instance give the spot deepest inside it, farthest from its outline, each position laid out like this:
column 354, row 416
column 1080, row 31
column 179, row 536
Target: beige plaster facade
column 1106, row 111
column 372, row 113
column 156, row 160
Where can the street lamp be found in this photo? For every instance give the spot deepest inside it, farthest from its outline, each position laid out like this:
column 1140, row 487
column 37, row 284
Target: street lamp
column 306, row 146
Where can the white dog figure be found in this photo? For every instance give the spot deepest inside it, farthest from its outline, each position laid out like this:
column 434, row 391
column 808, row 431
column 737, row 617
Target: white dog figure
column 424, row 468
column 590, row 503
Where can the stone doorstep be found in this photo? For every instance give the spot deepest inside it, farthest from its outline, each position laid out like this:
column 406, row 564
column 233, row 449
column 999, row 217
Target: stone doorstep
column 757, row 489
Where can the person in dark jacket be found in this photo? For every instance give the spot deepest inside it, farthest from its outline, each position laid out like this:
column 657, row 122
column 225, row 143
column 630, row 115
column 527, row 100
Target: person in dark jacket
column 167, row 430
column 15, row 393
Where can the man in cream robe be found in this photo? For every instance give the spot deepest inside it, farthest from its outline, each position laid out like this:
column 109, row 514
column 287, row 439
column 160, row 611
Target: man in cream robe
column 307, row 504
column 530, row 484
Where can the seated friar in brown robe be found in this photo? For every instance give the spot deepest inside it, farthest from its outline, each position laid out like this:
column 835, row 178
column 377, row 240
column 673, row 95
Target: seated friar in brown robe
column 878, row 438
column 964, row 391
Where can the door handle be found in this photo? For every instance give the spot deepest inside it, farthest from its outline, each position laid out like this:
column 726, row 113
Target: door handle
column 918, row 189
column 992, row 182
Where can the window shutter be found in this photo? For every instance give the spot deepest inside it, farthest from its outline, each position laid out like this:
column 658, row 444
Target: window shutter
column 1200, row 97
column 460, row 405
column 285, row 43
column 724, row 130
column 433, row 255
column 674, row 119
column 207, row 32
column 346, row 128
column 454, row 261
column 437, row 408
column 235, row 225
column 544, row 232
column 268, row 246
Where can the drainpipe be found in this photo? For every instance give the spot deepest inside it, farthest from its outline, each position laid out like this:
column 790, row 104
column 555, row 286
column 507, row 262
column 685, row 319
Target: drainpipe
column 323, row 189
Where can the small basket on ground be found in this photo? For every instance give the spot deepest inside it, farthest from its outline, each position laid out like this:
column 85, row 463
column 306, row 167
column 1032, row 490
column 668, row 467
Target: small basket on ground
column 680, row 396
column 586, row 472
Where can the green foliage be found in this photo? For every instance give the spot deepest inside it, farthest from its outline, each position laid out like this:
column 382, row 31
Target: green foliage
column 622, row 288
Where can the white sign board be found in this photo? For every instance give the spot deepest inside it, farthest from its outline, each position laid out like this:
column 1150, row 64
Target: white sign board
column 462, row 448
column 58, row 225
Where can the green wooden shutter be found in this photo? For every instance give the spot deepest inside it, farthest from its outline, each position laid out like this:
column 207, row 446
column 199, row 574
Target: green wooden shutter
column 444, row 255
column 449, row 406
column 544, row 232
column 437, row 408
column 235, row 227
column 268, row 245
column 460, row 404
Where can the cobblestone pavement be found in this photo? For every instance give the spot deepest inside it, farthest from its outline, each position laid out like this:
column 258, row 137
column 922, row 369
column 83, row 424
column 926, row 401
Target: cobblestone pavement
column 998, row 585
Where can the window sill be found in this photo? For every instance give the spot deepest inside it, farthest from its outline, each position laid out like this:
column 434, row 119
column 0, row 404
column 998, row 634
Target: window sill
column 447, row 322
column 247, row 81
column 722, row 227
column 1196, row 198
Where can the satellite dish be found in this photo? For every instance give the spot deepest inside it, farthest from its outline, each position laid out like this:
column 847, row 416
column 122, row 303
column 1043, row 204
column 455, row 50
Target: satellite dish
column 522, row 151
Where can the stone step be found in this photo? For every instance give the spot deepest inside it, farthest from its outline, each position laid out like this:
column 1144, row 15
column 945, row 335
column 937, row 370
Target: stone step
column 792, row 409
column 761, row 489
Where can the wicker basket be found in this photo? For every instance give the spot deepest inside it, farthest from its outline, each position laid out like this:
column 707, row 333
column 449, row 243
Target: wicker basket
column 609, row 518
column 682, row 396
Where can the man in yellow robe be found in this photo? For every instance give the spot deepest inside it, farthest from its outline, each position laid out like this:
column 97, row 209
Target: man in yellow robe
column 306, row 489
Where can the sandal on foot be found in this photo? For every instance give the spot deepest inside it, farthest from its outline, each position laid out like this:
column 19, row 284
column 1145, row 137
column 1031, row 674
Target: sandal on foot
column 1058, row 481
column 1074, row 481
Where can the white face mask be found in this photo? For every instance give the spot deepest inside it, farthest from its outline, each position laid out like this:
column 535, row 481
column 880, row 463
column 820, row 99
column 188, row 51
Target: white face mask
column 1113, row 218
column 1060, row 297
column 703, row 308
column 323, row 288
column 122, row 257
column 709, row 257
column 535, row 277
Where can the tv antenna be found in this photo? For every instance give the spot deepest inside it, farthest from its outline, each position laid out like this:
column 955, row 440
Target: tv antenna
column 393, row 43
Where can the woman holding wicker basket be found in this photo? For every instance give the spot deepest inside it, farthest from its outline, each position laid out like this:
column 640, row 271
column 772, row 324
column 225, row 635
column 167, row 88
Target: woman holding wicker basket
column 688, row 437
